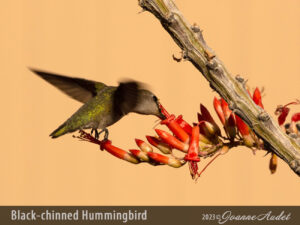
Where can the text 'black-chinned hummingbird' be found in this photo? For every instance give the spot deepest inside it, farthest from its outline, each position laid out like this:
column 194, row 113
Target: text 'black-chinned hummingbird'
column 103, row 105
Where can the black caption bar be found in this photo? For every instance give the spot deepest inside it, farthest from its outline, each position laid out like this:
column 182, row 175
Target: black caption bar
column 181, row 215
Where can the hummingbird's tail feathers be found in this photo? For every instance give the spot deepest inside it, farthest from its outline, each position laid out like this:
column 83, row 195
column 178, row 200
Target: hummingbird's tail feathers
column 61, row 130
column 77, row 88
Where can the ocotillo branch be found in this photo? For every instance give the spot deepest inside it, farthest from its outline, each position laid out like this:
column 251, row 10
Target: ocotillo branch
column 232, row 89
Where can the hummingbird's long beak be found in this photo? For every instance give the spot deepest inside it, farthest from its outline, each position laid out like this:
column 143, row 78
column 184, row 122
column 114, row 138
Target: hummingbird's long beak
column 163, row 114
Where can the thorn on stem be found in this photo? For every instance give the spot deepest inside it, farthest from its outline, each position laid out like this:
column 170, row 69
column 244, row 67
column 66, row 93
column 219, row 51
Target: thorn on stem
column 195, row 28
column 263, row 116
column 211, row 65
column 209, row 55
column 140, row 12
column 177, row 59
column 240, row 79
column 170, row 18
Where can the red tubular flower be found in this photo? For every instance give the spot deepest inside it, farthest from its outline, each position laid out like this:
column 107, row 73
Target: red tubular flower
column 119, row 153
column 140, row 155
column 204, row 130
column 163, row 147
column 179, row 120
column 172, row 141
column 186, row 126
column 218, row 109
column 164, row 159
column 210, row 129
column 242, row 126
column 200, row 117
column 245, row 131
column 293, row 127
column 176, row 129
column 207, row 117
column 207, row 133
column 283, row 111
column 143, row 145
column 226, row 116
column 182, row 123
column 283, row 114
column 225, row 108
column 296, row 117
column 231, row 126
column 204, row 134
column 257, row 98
column 208, row 126
column 192, row 154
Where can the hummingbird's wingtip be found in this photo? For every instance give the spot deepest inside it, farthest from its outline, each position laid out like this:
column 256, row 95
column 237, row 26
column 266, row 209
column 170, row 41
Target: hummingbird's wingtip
column 31, row 68
column 34, row 70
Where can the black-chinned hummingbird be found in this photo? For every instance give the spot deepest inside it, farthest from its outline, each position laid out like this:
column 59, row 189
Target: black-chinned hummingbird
column 103, row 105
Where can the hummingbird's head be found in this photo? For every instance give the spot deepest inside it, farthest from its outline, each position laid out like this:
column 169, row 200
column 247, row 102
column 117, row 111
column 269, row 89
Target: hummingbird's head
column 148, row 104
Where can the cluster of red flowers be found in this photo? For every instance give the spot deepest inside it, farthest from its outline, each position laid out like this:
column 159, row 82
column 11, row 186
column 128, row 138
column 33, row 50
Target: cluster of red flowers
column 203, row 139
column 293, row 127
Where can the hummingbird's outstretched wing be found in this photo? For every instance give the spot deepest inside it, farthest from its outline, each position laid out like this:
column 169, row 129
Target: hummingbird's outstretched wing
column 77, row 88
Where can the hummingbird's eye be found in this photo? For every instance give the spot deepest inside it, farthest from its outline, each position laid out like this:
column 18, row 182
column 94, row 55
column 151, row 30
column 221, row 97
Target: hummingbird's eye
column 155, row 98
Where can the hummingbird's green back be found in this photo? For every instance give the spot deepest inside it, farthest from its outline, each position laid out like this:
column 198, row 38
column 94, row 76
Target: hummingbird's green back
column 97, row 113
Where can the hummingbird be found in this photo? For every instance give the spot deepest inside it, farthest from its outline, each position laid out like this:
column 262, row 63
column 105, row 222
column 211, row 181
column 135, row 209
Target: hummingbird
column 103, row 105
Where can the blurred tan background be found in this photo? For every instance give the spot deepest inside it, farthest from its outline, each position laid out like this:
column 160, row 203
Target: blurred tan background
column 109, row 40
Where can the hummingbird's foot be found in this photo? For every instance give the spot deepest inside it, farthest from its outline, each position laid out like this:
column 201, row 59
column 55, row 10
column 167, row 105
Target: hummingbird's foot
column 105, row 130
column 96, row 133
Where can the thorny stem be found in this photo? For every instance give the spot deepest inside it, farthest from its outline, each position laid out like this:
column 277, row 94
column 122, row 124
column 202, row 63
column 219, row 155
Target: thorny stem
column 190, row 40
